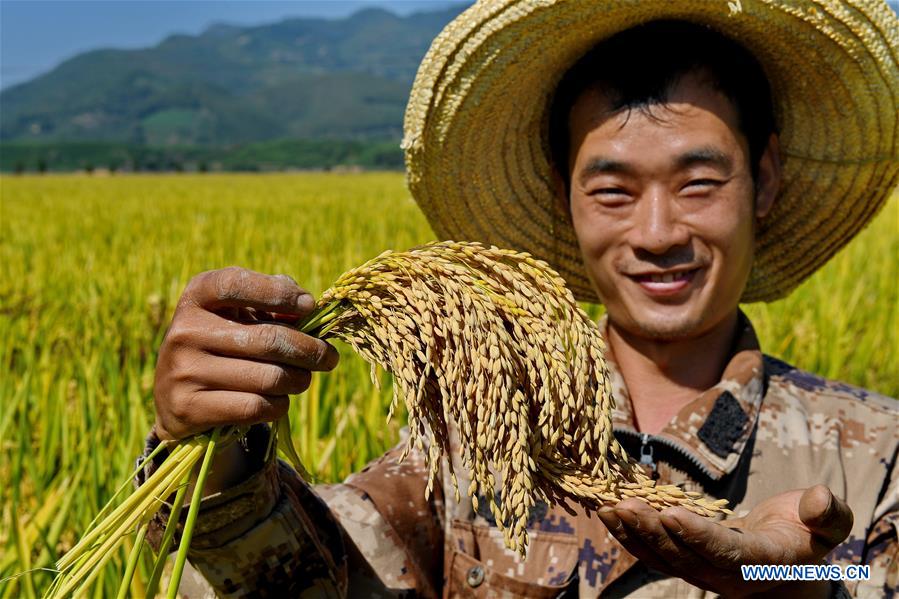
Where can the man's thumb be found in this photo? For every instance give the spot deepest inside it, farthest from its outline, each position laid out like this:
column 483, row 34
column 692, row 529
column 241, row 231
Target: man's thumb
column 826, row 515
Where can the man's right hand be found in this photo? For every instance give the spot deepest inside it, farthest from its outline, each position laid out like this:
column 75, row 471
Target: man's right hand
column 230, row 356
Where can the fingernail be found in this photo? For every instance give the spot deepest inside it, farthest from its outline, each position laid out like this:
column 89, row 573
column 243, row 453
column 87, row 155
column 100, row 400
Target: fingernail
column 831, row 504
column 618, row 524
column 610, row 519
column 629, row 518
column 672, row 525
column 305, row 302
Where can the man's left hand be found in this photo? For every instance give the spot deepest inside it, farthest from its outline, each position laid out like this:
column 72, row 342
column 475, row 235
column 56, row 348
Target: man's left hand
column 797, row 527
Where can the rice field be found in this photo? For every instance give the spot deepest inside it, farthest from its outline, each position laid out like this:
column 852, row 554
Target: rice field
column 93, row 266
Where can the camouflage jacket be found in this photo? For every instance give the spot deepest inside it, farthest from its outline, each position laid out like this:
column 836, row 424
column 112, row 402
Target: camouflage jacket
column 764, row 429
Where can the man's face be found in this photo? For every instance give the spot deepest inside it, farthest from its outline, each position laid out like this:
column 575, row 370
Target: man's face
column 663, row 209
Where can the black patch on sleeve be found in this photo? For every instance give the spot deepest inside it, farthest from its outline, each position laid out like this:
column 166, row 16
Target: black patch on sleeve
column 724, row 425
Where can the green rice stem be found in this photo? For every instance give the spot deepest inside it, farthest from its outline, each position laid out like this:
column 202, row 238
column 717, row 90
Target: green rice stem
column 94, row 569
column 127, row 483
column 318, row 317
column 285, row 444
column 94, row 560
column 191, row 521
column 140, row 495
column 132, row 562
column 168, row 535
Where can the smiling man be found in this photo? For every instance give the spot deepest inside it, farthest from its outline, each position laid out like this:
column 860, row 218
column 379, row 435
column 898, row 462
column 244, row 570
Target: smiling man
column 664, row 158
column 667, row 162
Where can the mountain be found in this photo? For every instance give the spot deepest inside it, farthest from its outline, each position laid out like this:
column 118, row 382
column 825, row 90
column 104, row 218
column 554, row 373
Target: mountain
column 299, row 78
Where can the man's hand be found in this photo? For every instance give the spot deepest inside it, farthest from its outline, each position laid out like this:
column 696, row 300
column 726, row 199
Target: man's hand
column 797, row 527
column 229, row 358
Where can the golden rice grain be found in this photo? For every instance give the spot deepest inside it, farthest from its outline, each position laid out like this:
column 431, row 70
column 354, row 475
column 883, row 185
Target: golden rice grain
column 491, row 342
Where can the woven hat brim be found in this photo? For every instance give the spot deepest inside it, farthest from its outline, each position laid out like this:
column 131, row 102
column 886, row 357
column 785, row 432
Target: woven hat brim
column 476, row 123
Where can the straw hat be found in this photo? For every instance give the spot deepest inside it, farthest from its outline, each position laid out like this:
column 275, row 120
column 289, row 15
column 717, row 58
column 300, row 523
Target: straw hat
column 476, row 137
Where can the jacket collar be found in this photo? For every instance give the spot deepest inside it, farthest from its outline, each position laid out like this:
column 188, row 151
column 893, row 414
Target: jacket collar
column 711, row 430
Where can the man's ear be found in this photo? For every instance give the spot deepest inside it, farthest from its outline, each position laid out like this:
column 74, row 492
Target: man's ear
column 560, row 190
column 768, row 178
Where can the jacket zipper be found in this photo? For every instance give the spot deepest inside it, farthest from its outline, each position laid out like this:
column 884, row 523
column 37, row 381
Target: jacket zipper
column 646, row 452
column 646, row 457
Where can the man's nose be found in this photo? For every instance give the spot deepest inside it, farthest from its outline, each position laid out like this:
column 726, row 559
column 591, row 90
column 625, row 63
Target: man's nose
column 657, row 223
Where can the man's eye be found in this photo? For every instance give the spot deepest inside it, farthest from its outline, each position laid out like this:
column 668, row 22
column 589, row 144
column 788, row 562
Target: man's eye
column 700, row 183
column 611, row 197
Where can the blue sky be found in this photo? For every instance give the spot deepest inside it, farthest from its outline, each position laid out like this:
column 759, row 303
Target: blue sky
column 36, row 35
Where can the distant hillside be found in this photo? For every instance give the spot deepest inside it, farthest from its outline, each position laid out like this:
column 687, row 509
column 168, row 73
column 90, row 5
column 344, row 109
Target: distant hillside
column 299, row 78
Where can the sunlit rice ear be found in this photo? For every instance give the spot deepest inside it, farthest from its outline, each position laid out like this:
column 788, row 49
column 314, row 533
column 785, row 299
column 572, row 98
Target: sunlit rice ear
column 456, row 322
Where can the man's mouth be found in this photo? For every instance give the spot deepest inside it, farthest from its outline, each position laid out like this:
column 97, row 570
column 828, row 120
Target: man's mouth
column 665, row 283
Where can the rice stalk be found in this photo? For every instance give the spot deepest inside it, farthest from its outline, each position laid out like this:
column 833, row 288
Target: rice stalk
column 79, row 567
column 133, row 557
column 487, row 341
column 189, row 524
column 491, row 342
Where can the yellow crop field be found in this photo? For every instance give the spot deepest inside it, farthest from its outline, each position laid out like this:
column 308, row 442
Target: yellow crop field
column 92, row 268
